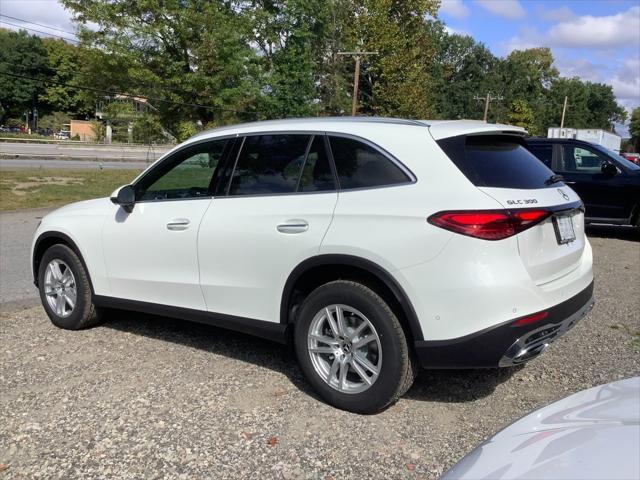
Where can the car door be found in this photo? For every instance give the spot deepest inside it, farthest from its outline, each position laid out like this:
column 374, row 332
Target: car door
column 151, row 253
column 581, row 166
column 275, row 208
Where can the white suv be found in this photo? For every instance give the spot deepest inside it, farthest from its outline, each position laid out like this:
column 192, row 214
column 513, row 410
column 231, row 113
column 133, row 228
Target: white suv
column 371, row 244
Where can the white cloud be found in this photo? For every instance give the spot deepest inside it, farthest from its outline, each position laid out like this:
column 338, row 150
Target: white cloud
column 510, row 9
column 624, row 77
column 562, row 14
column 456, row 31
column 621, row 29
column 570, row 67
column 603, row 35
column 44, row 12
column 455, row 9
column 626, row 83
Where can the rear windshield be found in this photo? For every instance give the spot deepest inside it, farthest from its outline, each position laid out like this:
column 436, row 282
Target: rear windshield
column 499, row 161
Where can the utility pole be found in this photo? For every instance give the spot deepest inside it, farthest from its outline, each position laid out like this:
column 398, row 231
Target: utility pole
column 487, row 100
column 564, row 110
column 356, row 78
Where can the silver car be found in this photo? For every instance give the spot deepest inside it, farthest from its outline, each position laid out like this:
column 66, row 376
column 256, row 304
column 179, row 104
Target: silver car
column 593, row 434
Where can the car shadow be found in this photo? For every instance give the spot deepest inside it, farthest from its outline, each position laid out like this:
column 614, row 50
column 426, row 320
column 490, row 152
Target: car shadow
column 458, row 386
column 451, row 386
column 613, row 231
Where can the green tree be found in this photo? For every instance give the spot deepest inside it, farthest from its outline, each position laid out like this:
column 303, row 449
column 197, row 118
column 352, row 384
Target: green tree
column 520, row 114
column 603, row 108
column 23, row 65
column 525, row 75
column 463, row 69
column 292, row 37
column 189, row 52
column 147, row 129
column 634, row 128
column 63, row 61
column 577, row 112
column 120, row 115
column 397, row 81
column 54, row 121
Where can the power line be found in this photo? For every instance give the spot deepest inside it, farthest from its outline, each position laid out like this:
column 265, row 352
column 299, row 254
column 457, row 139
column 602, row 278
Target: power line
column 38, row 24
column 128, row 95
column 39, row 31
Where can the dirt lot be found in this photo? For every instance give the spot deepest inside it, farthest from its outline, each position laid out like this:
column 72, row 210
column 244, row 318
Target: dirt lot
column 146, row 397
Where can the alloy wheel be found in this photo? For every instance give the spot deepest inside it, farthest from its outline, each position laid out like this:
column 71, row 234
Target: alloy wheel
column 345, row 348
column 60, row 288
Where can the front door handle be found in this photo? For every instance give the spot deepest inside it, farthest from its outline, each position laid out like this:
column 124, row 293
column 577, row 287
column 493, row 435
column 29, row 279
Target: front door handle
column 178, row 224
column 569, row 182
column 293, row 226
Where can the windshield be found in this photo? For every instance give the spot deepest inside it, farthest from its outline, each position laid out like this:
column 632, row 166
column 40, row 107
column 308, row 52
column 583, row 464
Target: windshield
column 617, row 158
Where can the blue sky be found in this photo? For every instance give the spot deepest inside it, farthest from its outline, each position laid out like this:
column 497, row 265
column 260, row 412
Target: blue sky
column 596, row 40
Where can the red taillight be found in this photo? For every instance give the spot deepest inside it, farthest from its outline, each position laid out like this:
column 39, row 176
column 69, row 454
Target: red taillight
column 530, row 319
column 488, row 224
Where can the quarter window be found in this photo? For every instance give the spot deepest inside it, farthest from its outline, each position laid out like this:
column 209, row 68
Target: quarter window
column 187, row 174
column 269, row 164
column 359, row 165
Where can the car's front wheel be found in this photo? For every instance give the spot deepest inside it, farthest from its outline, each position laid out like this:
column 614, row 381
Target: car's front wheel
column 352, row 347
column 65, row 290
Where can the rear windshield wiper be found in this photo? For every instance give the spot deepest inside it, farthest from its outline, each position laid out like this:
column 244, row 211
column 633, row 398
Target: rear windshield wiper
column 555, row 178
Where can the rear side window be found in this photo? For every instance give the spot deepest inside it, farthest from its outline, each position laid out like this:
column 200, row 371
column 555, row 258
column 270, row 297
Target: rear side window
column 499, row 161
column 543, row 152
column 269, row 164
column 359, row 165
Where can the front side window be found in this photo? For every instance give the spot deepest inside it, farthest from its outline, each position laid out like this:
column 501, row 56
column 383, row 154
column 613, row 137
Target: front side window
column 269, row 164
column 359, row 165
column 187, row 174
column 580, row 160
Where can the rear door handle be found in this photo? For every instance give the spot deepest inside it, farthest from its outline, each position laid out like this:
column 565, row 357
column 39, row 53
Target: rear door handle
column 178, row 224
column 293, row 226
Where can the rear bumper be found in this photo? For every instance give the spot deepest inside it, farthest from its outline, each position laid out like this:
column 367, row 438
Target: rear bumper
column 506, row 345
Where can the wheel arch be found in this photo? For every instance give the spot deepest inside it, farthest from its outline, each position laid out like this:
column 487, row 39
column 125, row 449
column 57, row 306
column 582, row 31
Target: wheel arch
column 48, row 239
column 321, row 269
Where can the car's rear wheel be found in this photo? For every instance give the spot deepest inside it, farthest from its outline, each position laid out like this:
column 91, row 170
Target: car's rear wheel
column 65, row 290
column 352, row 348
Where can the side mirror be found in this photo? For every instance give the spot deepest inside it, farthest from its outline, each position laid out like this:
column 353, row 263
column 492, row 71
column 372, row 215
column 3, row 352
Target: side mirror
column 125, row 197
column 608, row 169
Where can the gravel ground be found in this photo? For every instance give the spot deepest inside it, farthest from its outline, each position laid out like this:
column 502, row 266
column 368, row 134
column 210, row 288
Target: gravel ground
column 147, row 397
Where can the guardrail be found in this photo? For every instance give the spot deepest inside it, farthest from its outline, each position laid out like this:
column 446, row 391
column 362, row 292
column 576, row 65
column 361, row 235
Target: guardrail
column 80, row 142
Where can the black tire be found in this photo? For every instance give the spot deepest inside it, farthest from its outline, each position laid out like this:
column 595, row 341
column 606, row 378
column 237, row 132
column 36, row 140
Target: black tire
column 84, row 314
column 397, row 369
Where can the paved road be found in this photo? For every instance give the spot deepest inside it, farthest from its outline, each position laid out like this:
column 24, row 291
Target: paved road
column 148, row 397
column 81, row 151
column 12, row 163
column 16, row 233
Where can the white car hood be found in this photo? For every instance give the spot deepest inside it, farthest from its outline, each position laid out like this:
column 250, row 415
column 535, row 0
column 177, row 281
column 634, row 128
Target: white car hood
column 593, row 434
column 95, row 206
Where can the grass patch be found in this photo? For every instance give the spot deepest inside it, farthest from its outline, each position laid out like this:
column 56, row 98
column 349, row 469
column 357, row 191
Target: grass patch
column 42, row 187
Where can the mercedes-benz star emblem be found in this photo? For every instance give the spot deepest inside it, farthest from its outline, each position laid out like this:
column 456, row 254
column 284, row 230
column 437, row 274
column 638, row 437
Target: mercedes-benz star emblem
column 564, row 195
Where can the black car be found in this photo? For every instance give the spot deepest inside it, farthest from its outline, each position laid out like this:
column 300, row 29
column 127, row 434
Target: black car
column 608, row 184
